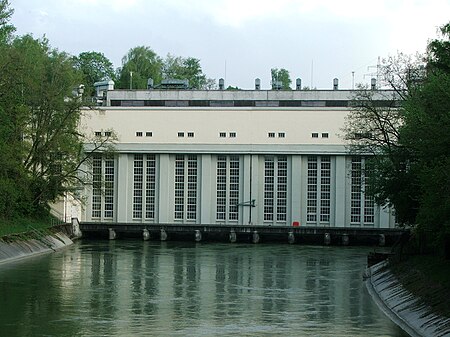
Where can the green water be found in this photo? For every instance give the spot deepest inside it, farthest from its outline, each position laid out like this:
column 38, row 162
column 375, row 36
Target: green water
column 136, row 288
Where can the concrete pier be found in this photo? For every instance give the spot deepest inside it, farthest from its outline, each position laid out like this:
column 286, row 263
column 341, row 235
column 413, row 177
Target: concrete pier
column 345, row 240
column 327, row 239
column 163, row 234
column 233, row 236
column 145, row 234
column 112, row 234
column 291, row 237
column 198, row 236
column 247, row 233
column 255, row 237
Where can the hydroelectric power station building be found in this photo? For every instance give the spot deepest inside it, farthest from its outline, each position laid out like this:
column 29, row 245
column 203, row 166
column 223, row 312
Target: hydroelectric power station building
column 262, row 157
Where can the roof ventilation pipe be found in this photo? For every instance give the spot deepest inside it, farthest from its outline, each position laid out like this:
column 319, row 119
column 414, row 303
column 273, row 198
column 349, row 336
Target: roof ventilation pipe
column 335, row 84
column 103, row 86
column 150, row 83
column 257, row 84
column 373, row 84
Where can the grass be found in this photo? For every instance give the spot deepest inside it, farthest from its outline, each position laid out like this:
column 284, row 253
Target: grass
column 428, row 278
column 23, row 225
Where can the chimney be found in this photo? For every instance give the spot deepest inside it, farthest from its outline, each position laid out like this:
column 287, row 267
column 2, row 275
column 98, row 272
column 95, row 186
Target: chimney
column 221, row 84
column 257, row 84
column 298, row 84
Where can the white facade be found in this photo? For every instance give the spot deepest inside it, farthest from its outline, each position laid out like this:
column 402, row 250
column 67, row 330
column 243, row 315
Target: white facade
column 208, row 157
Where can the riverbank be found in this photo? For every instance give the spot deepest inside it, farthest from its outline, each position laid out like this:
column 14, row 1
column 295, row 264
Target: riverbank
column 406, row 309
column 427, row 277
column 34, row 242
column 23, row 225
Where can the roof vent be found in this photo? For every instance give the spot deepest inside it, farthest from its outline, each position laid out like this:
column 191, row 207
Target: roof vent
column 221, row 84
column 335, row 84
column 298, row 84
column 373, row 84
column 150, row 83
column 103, row 86
column 257, row 84
column 172, row 83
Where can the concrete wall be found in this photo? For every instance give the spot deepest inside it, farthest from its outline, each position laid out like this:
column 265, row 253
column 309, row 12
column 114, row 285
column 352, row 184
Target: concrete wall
column 18, row 249
column 251, row 125
column 401, row 307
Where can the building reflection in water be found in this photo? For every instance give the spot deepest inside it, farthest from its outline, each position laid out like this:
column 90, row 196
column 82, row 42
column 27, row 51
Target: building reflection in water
column 132, row 287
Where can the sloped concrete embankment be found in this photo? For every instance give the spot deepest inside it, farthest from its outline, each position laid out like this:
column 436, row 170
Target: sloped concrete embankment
column 13, row 248
column 401, row 306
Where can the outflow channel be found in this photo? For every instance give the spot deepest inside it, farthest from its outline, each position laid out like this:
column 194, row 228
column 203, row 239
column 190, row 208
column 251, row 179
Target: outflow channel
column 151, row 288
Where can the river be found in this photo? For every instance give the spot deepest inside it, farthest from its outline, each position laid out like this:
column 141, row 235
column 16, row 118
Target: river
column 137, row 288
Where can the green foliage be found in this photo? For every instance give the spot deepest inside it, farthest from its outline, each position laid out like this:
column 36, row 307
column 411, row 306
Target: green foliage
column 374, row 130
column 95, row 67
column 24, row 225
column 439, row 51
column 140, row 64
column 40, row 145
column 427, row 133
column 185, row 68
column 393, row 182
column 410, row 143
column 6, row 29
column 14, row 194
column 280, row 76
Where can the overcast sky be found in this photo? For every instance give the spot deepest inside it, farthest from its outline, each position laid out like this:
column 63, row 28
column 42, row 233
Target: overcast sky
column 240, row 40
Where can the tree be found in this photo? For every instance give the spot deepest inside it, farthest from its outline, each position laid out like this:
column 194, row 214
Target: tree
column 42, row 149
column 12, row 189
column 186, row 68
column 14, row 194
column 231, row 88
column 408, row 139
column 280, row 77
column 95, row 67
column 140, row 64
column 438, row 51
column 6, row 29
column 373, row 130
column 426, row 132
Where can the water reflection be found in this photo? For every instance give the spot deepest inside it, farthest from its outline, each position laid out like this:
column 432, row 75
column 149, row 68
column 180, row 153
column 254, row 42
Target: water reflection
column 135, row 288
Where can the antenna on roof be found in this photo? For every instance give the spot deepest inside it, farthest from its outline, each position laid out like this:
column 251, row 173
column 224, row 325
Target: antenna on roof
column 353, row 80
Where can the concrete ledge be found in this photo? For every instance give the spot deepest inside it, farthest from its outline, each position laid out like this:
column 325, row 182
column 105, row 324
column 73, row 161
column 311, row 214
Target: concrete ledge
column 16, row 250
column 401, row 306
